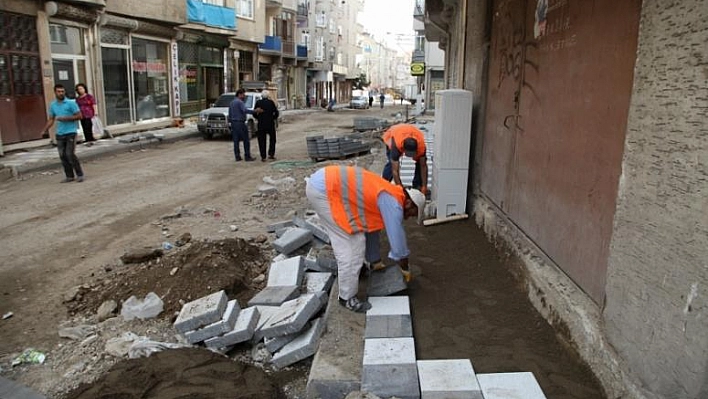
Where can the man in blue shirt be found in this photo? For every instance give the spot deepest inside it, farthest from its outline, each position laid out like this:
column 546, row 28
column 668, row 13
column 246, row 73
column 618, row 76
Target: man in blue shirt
column 67, row 114
column 239, row 131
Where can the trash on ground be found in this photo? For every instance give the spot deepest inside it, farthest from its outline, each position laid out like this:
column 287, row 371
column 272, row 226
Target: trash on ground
column 143, row 309
column 30, row 356
column 77, row 333
column 7, row 315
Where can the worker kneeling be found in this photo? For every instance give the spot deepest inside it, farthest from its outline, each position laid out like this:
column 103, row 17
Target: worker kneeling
column 354, row 204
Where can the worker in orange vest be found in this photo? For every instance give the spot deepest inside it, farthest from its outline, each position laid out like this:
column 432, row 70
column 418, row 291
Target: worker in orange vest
column 406, row 139
column 354, row 205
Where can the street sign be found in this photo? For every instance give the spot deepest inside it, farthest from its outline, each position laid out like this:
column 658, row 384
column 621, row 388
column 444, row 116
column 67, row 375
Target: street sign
column 417, row 68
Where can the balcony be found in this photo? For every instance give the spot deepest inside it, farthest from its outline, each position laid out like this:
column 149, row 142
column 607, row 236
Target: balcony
column 301, row 52
column 303, row 10
column 419, row 10
column 211, row 15
column 274, row 3
column 273, row 45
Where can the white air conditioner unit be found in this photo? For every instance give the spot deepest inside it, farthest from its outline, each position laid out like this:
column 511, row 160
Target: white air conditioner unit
column 451, row 151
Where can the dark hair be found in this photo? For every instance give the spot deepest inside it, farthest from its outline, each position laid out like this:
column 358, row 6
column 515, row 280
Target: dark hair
column 58, row 86
column 240, row 91
column 81, row 85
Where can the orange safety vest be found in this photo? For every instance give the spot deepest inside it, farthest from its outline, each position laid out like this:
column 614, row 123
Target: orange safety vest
column 401, row 132
column 353, row 193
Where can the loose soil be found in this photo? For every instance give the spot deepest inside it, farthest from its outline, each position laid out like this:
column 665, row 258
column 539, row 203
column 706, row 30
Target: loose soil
column 181, row 373
column 187, row 273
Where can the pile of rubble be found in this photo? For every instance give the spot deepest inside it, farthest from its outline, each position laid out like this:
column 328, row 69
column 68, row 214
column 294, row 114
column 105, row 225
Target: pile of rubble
column 283, row 317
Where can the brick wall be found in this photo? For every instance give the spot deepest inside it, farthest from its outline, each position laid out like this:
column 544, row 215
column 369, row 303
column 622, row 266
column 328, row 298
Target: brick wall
column 657, row 292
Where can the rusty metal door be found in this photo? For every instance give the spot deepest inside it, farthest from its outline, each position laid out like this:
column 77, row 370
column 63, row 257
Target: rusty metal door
column 22, row 111
column 561, row 74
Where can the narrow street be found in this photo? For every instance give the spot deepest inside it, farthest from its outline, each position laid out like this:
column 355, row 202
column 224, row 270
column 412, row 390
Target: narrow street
column 55, row 237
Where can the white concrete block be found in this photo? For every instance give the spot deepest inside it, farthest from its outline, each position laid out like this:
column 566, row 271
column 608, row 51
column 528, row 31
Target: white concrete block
column 510, row 386
column 243, row 330
column 389, row 317
column 286, row 273
column 222, row 326
column 201, row 312
column 390, row 368
column 448, row 379
column 316, row 282
column 301, row 347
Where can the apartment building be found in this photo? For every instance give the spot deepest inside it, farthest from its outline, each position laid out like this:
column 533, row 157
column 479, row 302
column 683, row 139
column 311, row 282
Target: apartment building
column 428, row 60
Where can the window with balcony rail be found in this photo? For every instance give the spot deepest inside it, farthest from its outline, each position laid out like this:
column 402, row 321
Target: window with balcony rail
column 244, row 8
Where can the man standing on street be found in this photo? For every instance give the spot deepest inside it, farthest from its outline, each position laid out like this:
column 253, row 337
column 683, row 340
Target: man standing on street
column 239, row 131
column 266, row 124
column 382, row 97
column 406, row 139
column 67, row 114
column 354, row 205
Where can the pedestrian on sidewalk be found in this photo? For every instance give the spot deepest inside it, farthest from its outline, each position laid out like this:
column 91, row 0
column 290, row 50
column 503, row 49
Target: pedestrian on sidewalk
column 87, row 105
column 382, row 97
column 266, row 125
column 307, row 99
column 239, row 131
column 406, row 139
column 371, row 100
column 66, row 113
column 354, row 205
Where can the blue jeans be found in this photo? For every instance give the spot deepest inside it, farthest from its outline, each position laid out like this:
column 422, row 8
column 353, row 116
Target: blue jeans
column 388, row 171
column 239, row 132
column 66, row 145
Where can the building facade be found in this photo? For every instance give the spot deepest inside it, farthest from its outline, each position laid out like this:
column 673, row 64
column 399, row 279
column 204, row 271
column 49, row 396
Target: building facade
column 589, row 125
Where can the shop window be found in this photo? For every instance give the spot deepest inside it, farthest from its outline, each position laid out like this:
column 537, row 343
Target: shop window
column 150, row 79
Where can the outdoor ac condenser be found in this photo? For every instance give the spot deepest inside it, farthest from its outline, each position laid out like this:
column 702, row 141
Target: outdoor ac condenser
column 453, row 134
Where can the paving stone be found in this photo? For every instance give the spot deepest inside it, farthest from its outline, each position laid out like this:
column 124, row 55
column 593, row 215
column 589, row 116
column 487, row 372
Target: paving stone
column 243, row 330
column 316, row 229
column 390, row 368
column 288, row 272
column 301, row 347
column 279, row 258
column 448, row 379
column 321, row 260
column 201, row 312
column 222, row 326
column 316, row 282
column 510, row 385
column 389, row 317
column 292, row 240
column 275, row 296
column 386, row 282
column 279, row 233
column 276, row 343
column 291, row 316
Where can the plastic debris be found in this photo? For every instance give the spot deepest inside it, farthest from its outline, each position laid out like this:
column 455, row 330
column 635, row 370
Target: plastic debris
column 7, row 315
column 147, row 308
column 77, row 333
column 167, row 246
column 31, row 356
column 135, row 346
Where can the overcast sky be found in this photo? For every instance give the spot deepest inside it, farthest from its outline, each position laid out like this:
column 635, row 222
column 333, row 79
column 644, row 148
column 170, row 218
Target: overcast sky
column 385, row 18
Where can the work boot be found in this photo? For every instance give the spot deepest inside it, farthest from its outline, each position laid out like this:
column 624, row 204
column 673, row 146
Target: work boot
column 375, row 266
column 355, row 305
column 407, row 276
column 250, row 159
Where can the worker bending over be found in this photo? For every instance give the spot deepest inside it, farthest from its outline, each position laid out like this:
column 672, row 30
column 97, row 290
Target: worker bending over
column 354, row 204
column 406, row 139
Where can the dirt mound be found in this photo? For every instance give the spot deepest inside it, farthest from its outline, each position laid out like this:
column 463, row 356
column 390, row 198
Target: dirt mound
column 185, row 274
column 180, row 373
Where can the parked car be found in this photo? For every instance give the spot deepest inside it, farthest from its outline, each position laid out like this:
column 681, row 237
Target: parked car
column 214, row 120
column 359, row 102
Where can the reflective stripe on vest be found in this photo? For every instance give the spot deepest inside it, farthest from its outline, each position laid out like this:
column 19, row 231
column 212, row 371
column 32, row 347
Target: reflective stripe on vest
column 353, row 194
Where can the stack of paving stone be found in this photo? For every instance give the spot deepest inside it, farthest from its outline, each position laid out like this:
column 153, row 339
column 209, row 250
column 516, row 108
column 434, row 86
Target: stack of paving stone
column 319, row 147
column 390, row 367
column 361, row 124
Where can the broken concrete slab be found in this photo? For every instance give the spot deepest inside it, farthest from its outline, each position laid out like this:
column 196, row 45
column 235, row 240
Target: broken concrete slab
column 312, row 225
column 267, row 189
column 389, row 317
column 301, row 347
column 222, row 326
column 279, row 258
column 286, row 273
column 510, row 385
column 390, row 368
column 292, row 240
column 272, row 228
column 336, row 368
column 243, row 330
column 386, row 282
column 275, row 296
column 318, row 281
column 291, row 316
column 201, row 312
column 266, row 314
column 448, row 379
column 321, row 260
